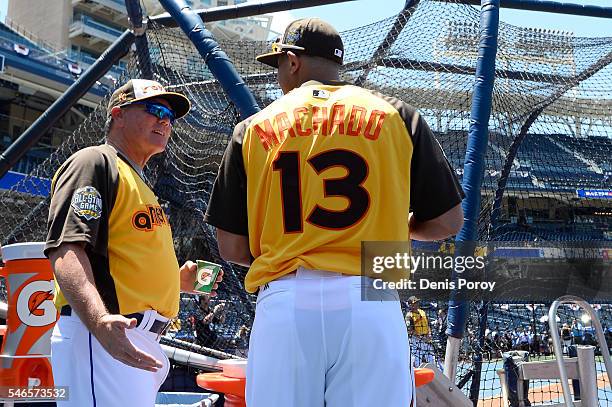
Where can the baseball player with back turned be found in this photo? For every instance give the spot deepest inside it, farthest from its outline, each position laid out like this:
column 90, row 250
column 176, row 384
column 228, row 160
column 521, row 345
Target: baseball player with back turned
column 110, row 245
column 301, row 185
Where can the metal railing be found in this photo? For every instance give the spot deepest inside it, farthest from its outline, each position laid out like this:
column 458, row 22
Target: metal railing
column 45, row 52
column 119, row 2
column 115, row 6
column 19, row 39
column 58, row 59
column 86, row 60
column 558, row 348
column 33, row 38
column 91, row 22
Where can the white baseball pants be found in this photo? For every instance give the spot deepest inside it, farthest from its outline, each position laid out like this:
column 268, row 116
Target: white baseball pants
column 315, row 343
column 93, row 377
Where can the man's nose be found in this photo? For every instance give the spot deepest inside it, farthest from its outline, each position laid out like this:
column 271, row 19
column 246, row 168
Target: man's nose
column 165, row 121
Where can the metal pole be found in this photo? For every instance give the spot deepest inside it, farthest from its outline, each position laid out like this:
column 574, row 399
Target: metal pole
column 451, row 357
column 15, row 151
column 142, row 45
column 558, row 349
column 482, row 100
column 218, row 62
column 477, row 369
column 245, row 10
column 191, row 359
column 588, row 376
column 554, row 332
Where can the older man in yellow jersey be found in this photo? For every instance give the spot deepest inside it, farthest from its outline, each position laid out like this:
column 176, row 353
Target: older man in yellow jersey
column 110, row 245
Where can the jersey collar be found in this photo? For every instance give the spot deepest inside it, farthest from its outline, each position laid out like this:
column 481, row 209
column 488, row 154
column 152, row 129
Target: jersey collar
column 313, row 82
column 131, row 163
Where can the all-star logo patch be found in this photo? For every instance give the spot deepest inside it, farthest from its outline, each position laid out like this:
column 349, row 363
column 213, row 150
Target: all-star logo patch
column 87, row 203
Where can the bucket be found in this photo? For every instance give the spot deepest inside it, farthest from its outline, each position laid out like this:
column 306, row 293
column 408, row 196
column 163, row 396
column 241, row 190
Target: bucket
column 231, row 382
column 31, row 316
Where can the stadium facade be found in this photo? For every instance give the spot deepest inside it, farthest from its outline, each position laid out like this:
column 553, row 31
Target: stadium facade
column 43, row 50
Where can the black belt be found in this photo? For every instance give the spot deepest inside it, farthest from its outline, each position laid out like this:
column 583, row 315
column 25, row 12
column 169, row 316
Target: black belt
column 158, row 327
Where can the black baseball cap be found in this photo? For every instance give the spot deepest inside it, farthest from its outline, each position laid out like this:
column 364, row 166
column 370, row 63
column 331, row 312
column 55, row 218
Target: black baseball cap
column 309, row 36
column 136, row 90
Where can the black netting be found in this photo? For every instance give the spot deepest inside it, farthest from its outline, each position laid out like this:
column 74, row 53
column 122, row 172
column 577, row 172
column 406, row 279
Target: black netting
column 550, row 135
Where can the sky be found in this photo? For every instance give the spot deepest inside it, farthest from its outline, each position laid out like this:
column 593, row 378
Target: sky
column 362, row 12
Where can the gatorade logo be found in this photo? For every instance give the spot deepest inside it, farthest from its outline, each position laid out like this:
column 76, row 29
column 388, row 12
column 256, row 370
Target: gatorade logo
column 35, row 304
column 147, row 220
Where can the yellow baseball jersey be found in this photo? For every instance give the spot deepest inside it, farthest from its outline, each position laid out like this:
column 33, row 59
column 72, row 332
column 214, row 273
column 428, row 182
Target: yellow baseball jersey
column 417, row 320
column 100, row 200
column 322, row 169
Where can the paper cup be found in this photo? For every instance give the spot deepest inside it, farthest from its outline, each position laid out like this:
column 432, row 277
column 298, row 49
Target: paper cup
column 206, row 276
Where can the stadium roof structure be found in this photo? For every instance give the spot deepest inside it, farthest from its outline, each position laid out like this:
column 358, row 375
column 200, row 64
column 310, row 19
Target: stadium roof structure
column 435, row 98
column 27, row 64
column 443, row 99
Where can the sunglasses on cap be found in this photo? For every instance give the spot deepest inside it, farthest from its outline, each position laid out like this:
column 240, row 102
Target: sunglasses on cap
column 158, row 110
column 277, row 46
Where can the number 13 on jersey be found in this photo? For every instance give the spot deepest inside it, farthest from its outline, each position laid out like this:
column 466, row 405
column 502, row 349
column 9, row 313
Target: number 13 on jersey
column 288, row 164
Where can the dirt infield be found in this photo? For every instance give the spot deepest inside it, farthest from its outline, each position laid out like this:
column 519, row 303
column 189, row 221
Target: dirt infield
column 546, row 393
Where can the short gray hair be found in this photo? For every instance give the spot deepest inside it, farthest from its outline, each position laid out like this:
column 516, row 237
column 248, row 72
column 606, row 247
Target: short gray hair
column 107, row 124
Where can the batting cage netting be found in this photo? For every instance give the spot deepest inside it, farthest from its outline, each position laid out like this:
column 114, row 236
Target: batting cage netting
column 547, row 166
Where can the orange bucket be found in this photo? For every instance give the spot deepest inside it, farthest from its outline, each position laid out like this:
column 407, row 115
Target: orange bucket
column 422, row 376
column 24, row 360
column 231, row 382
column 231, row 387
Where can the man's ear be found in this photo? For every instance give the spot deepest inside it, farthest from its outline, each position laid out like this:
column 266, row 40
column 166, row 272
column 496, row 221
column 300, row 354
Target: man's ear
column 117, row 114
column 294, row 62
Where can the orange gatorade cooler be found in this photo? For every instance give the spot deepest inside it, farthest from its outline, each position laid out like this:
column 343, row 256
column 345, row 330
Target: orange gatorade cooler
column 24, row 360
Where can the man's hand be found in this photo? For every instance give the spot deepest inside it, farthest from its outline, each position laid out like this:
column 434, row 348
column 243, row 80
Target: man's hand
column 110, row 329
column 188, row 274
column 209, row 318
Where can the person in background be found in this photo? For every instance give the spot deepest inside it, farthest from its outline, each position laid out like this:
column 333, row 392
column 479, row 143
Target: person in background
column 420, row 333
column 566, row 337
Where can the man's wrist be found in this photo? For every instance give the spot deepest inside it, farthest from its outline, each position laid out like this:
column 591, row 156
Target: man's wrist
column 93, row 323
column 100, row 316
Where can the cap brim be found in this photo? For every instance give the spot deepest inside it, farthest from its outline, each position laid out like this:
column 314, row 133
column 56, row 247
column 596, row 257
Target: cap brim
column 178, row 102
column 271, row 58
